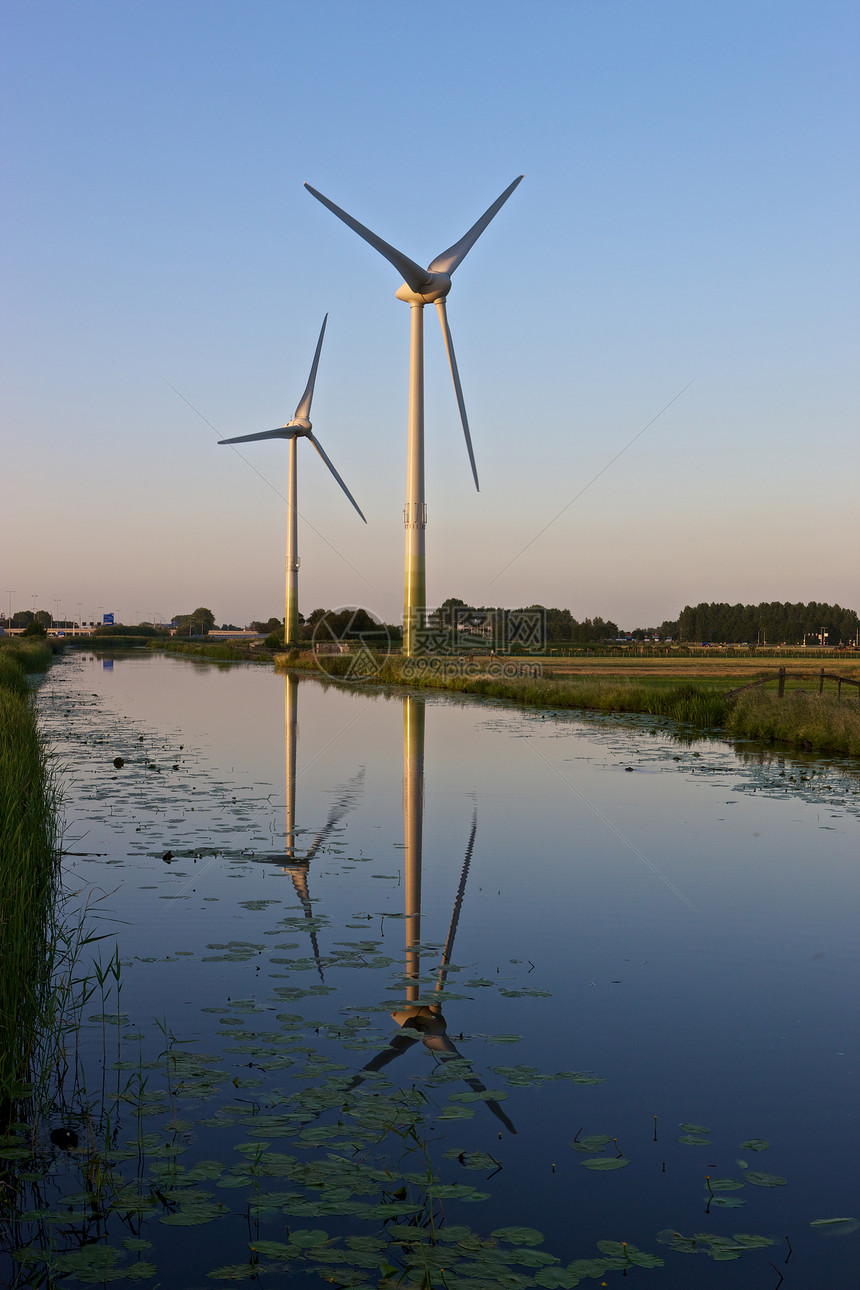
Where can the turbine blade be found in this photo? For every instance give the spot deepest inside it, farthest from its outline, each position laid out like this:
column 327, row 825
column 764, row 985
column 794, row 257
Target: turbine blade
column 316, row 444
column 344, row 803
column 285, row 432
column 447, row 262
column 411, row 272
column 449, row 345
column 304, row 408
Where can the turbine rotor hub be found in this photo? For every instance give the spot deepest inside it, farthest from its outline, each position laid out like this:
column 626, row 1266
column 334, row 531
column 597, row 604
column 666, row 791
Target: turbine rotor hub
column 301, row 425
column 436, row 288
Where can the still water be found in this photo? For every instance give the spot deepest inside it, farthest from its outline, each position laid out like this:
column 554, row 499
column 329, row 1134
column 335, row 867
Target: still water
column 420, row 988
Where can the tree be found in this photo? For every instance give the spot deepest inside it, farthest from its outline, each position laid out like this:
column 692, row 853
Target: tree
column 196, row 624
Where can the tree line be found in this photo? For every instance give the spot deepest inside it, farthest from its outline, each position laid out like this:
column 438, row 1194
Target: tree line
column 560, row 624
column 772, row 623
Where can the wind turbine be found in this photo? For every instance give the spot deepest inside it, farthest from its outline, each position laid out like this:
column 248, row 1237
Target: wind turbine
column 299, row 428
column 422, row 287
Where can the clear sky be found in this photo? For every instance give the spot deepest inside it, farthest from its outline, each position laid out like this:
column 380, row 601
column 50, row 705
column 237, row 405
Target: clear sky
column 689, row 213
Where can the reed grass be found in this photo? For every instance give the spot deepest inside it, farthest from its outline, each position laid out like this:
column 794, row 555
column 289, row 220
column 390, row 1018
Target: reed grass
column 812, row 722
column 29, row 872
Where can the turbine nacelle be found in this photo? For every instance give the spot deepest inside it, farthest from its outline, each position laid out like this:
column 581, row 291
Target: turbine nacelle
column 299, row 426
column 437, row 288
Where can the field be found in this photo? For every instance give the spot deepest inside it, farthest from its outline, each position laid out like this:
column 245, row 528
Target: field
column 716, row 666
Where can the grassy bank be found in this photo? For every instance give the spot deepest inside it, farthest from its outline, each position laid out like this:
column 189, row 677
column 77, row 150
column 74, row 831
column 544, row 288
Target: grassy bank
column 803, row 719
column 697, row 705
column 810, row 721
column 222, row 650
column 30, row 852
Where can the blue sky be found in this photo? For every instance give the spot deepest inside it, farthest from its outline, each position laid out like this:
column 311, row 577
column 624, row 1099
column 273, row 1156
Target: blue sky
column 689, row 213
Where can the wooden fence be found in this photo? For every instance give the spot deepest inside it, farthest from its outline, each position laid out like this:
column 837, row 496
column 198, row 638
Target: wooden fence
column 804, row 676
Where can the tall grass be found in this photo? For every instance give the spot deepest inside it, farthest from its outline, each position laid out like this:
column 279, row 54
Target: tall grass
column 29, row 867
column 813, row 722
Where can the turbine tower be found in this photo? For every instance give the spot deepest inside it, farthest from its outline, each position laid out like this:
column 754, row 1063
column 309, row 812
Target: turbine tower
column 299, row 428
column 422, row 287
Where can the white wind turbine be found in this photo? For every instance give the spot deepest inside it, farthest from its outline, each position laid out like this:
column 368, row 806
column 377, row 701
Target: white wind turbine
column 422, row 287
column 299, row 428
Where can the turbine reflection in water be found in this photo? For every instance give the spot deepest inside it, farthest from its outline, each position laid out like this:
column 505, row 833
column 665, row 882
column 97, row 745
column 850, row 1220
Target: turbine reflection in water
column 424, row 1021
column 291, row 861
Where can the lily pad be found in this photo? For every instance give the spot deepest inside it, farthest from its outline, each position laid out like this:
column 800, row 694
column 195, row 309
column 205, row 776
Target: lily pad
column 835, row 1226
column 235, row 1272
column 592, row 1142
column 759, row 1179
column 307, row 1239
column 603, row 1164
column 556, row 1279
column 518, row 1235
column 755, row 1144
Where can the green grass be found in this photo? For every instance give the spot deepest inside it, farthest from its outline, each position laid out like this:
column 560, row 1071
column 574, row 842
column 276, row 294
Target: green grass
column 29, row 847
column 812, row 722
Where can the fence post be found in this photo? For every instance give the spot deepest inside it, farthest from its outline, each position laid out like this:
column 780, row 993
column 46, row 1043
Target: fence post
column 839, row 689
column 781, row 690
column 821, row 682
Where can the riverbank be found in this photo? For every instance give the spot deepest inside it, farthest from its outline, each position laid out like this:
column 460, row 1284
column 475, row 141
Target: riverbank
column 694, row 691
column 806, row 720
column 29, row 838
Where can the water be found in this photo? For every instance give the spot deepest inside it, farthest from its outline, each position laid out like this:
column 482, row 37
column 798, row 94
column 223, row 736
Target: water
column 446, row 939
